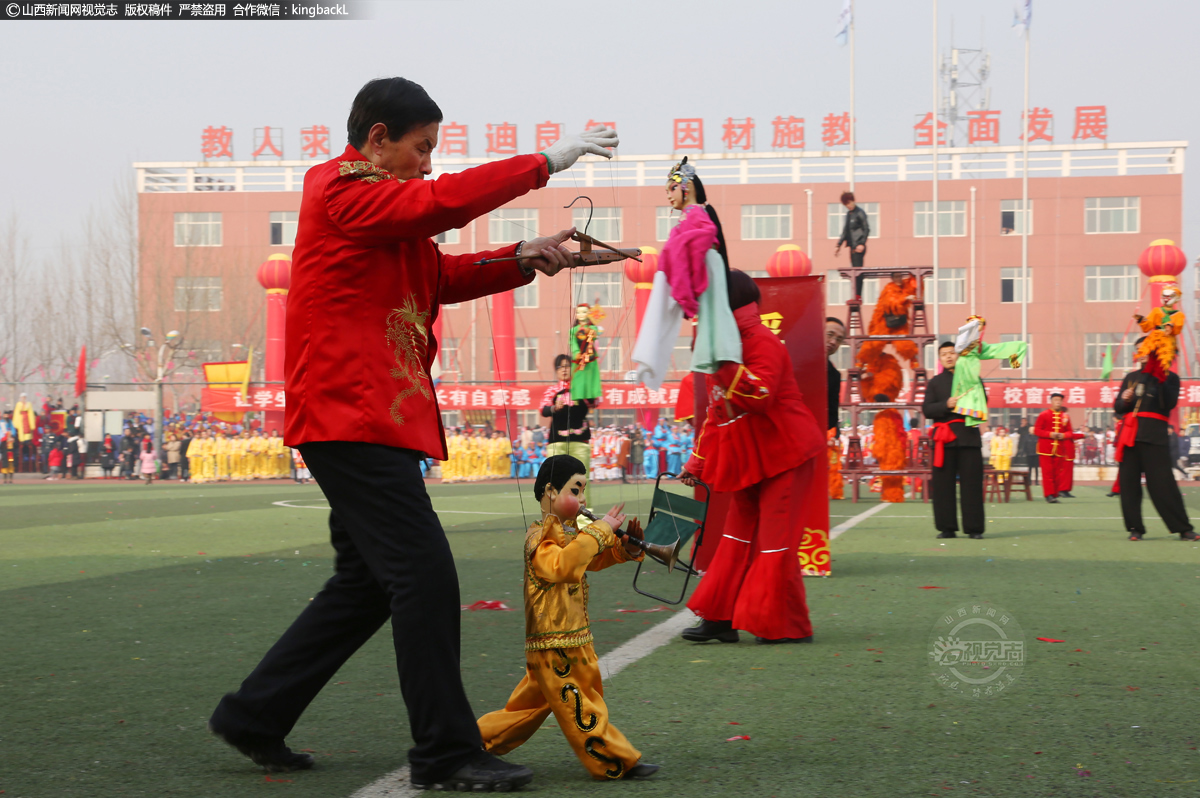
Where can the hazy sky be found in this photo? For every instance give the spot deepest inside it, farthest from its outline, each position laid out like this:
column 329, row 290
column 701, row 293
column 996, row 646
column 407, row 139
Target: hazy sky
column 81, row 101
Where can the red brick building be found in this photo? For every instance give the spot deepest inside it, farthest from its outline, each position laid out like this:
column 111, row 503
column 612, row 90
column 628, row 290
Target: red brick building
column 206, row 226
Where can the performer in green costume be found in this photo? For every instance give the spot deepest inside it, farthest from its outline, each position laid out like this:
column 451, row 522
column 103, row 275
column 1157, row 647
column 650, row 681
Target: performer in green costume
column 968, row 388
column 585, row 355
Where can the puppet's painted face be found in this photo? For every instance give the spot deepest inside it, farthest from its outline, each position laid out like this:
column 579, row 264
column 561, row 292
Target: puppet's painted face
column 1170, row 297
column 567, row 503
column 581, row 314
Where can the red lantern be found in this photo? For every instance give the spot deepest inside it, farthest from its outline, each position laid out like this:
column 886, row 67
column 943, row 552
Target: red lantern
column 1162, row 261
column 275, row 274
column 789, row 261
column 643, row 273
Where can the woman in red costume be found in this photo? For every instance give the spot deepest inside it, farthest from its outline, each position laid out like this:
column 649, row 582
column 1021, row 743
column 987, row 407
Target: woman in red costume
column 761, row 443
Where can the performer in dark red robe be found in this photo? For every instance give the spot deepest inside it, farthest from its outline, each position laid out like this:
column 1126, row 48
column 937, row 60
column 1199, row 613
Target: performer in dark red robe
column 760, row 442
column 1056, row 450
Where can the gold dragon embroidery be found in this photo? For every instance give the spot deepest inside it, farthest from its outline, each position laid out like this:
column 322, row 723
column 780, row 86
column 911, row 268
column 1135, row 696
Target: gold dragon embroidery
column 410, row 340
column 365, row 171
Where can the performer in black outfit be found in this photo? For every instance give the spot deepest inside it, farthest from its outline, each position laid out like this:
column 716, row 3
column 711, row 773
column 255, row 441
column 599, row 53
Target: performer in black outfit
column 835, row 334
column 1142, row 448
column 959, row 450
column 854, row 236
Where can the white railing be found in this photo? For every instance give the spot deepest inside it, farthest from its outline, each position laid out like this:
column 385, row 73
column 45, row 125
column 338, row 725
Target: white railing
column 954, row 163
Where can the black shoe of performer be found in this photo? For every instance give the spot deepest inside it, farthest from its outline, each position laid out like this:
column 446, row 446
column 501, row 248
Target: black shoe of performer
column 1136, row 535
column 1065, row 494
column 712, row 630
column 767, row 641
column 1187, row 536
column 271, row 755
column 1052, row 499
column 976, row 536
column 483, row 773
column 948, row 535
column 1110, row 494
column 642, row 770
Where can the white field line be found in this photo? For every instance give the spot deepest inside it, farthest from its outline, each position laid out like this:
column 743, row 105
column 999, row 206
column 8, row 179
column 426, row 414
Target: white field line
column 846, row 526
column 396, row 783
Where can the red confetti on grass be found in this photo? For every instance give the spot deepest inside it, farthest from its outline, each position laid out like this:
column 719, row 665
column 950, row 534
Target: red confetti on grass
column 930, row 587
column 1050, row 640
column 734, row 723
column 1132, row 689
column 277, row 781
column 200, row 552
column 484, row 604
column 738, row 737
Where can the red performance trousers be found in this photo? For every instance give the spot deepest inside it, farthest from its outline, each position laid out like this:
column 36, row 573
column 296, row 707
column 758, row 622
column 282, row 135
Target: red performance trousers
column 1058, row 474
column 754, row 578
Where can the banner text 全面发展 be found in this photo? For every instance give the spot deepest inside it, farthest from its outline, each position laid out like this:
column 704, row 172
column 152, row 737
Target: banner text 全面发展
column 452, row 397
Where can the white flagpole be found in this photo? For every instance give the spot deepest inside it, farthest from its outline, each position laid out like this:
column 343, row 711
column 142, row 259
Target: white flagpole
column 1027, row 215
column 936, row 219
column 853, row 140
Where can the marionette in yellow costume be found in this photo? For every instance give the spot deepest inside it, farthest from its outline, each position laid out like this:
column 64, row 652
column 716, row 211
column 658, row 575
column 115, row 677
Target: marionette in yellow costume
column 562, row 675
column 1164, row 324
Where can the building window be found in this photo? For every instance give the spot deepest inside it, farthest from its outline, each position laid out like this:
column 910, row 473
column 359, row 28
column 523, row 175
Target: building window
column 527, row 354
column 526, row 296
column 1110, row 214
column 835, row 216
column 451, row 419
column 1110, row 283
column 197, row 229
column 510, row 225
column 952, row 286
column 1096, row 344
column 952, row 218
column 283, row 228
column 602, row 287
column 616, row 418
column 1028, row 359
column 606, row 223
column 766, row 222
column 1010, row 285
column 665, row 220
column 681, row 355
column 1013, row 216
column 528, row 418
column 449, row 237
column 197, row 293
column 610, row 355
column 448, row 355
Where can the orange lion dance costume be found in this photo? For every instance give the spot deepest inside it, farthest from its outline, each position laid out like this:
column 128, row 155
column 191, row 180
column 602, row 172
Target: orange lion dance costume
column 1164, row 324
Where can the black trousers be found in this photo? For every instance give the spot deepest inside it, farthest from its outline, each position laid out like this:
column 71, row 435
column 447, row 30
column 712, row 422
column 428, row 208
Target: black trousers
column 856, row 261
column 1155, row 462
column 965, row 463
column 393, row 561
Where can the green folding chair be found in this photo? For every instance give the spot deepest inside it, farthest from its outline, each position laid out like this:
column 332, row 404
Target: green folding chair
column 674, row 520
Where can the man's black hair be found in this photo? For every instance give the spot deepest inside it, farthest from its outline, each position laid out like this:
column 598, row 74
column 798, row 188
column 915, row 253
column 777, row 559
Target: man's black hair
column 835, row 320
column 396, row 102
column 1059, row 395
column 943, row 345
column 561, row 360
column 557, row 471
column 742, row 289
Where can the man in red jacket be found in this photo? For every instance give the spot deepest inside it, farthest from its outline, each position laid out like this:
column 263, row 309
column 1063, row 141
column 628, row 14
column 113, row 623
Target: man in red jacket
column 760, row 442
column 367, row 285
column 1056, row 450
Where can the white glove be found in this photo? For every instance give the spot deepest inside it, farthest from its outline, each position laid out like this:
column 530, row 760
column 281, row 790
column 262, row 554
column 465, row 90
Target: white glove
column 567, row 150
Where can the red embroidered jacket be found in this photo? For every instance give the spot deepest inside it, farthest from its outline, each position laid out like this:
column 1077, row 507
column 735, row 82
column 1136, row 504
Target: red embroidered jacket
column 367, row 283
column 1048, row 422
column 757, row 424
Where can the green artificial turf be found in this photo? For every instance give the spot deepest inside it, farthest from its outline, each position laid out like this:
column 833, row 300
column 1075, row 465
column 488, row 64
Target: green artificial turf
column 119, row 636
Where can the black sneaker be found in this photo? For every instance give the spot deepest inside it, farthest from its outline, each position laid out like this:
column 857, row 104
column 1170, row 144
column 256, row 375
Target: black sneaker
column 1065, row 494
column 1052, row 500
column 1187, row 536
column 976, row 536
column 1111, row 494
column 1135, row 536
column 948, row 535
column 712, row 630
column 642, row 770
column 271, row 755
column 483, row 773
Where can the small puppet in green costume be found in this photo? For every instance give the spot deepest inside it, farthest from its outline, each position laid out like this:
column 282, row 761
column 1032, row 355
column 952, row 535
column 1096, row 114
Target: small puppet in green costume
column 585, row 354
column 968, row 388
